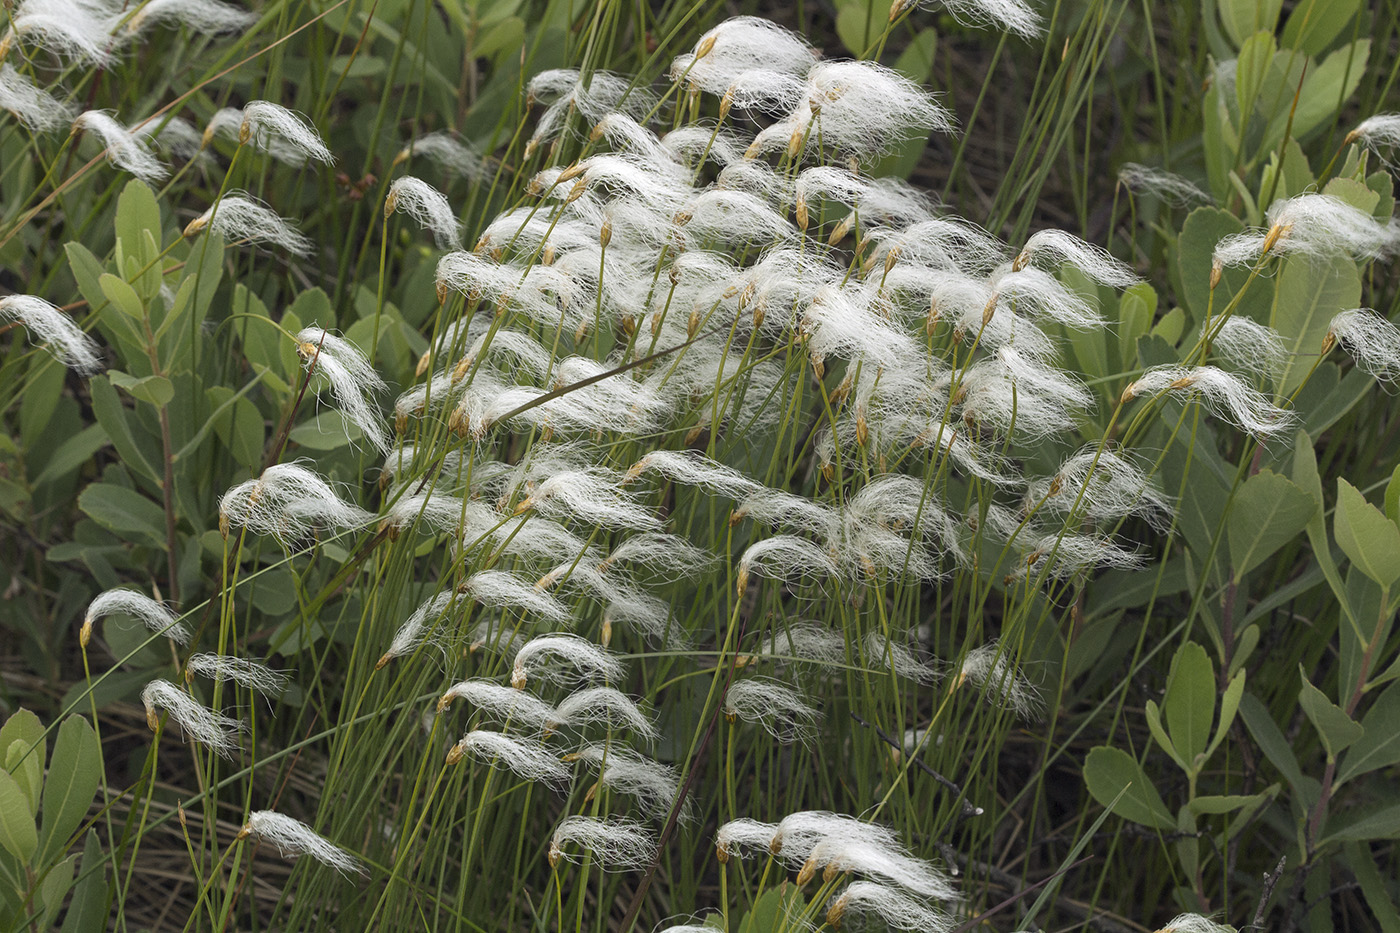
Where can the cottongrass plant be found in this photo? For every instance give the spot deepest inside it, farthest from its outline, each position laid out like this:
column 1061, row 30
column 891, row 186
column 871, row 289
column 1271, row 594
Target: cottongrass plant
column 722, row 454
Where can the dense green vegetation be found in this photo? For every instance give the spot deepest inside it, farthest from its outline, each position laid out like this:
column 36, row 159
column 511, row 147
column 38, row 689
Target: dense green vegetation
column 528, row 465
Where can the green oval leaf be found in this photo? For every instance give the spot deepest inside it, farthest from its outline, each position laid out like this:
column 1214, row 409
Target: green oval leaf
column 1268, row 512
column 1109, row 772
column 122, row 296
column 125, row 512
column 75, row 772
column 17, row 833
column 1379, row 745
column 1366, row 536
column 1335, row 727
column 1189, row 705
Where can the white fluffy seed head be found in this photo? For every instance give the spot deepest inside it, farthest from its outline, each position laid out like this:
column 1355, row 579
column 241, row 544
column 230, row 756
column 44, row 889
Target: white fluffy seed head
column 1163, row 185
column 1371, row 340
column 125, row 149
column 784, row 557
column 428, row 206
column 566, row 659
column 737, row 836
column 590, row 495
column 863, row 108
column 743, row 46
column 653, row 785
column 1013, row 16
column 1226, row 395
column 288, row 502
column 1383, row 129
column 898, row 910
column 883, row 652
column 990, row 669
column 692, row 468
column 1194, row 923
column 77, row 30
column 249, row 674
column 354, row 381
column 500, row 589
column 67, row 341
column 616, row 845
column 1057, row 246
column 1250, row 347
column 879, row 859
column 240, row 216
column 156, row 616
column 527, row 759
column 209, row 17
column 1315, row 225
column 604, row 706
column 293, row 838
column 35, row 107
column 447, row 152
column 1102, row 486
column 264, row 120
column 428, row 626
column 516, row 707
column 779, row 709
column 199, row 723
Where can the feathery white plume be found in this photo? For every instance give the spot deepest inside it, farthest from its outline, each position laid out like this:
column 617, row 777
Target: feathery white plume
column 616, row 845
column 288, row 502
column 1014, row 16
column 249, row 674
column 427, row 626
column 838, row 853
column 652, row 784
column 1166, row 186
column 783, row 557
column 529, row 760
column 263, row 120
column 428, row 206
column 77, row 30
column 990, row 669
column 293, row 838
column 738, row 835
column 447, row 152
column 1310, row 224
column 660, row 552
column 590, row 495
column 740, row 49
column 605, row 705
column 505, row 703
column 1250, row 347
column 566, row 659
column 500, row 589
column 1371, row 340
column 1383, row 129
column 898, row 910
column 884, row 652
column 156, row 616
column 1194, row 923
column 199, row 723
column 67, row 341
column 1106, row 485
column 240, row 216
column 35, row 107
column 125, row 150
column 1094, row 261
column 692, row 468
column 352, row 377
column 780, row 710
column 1225, row 395
column 208, row 17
